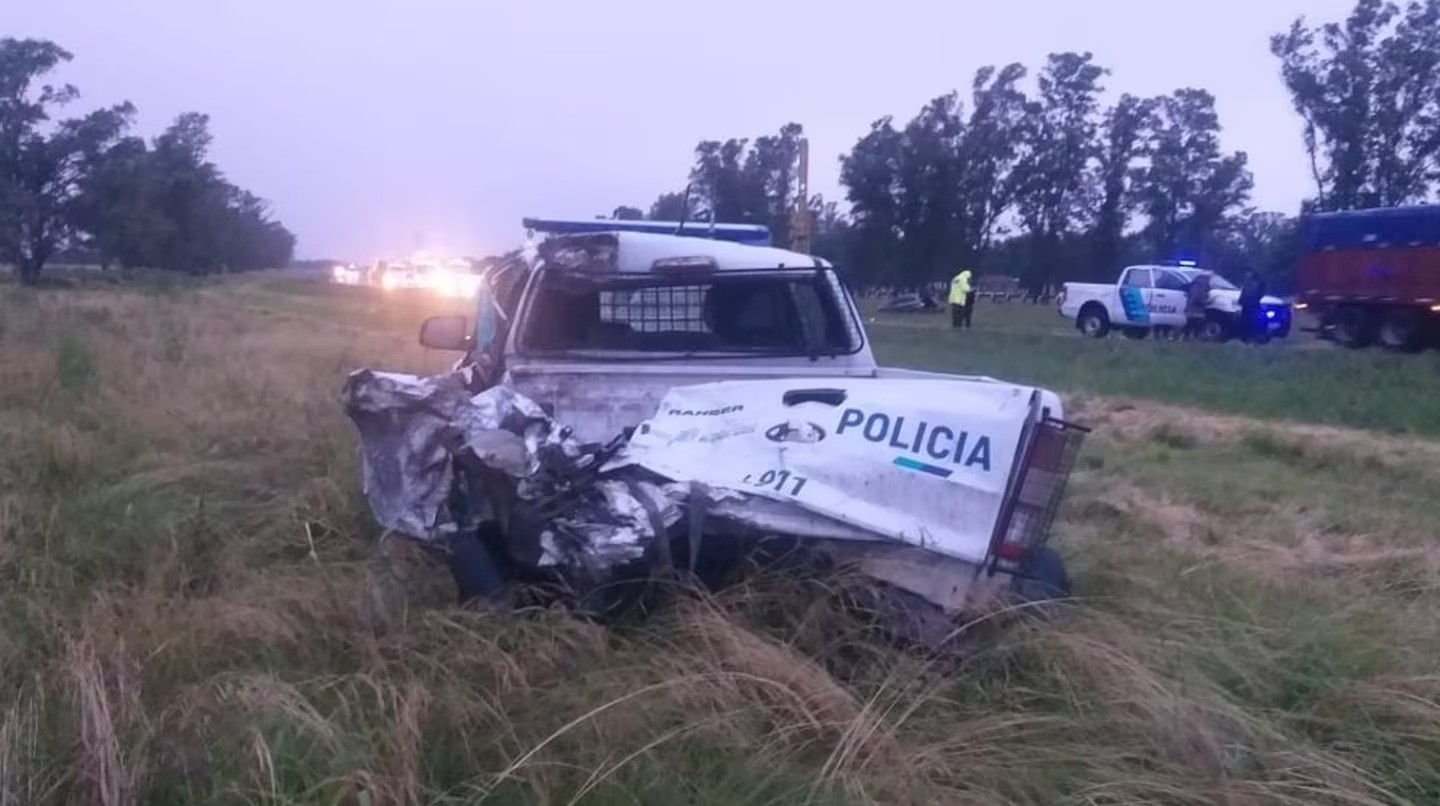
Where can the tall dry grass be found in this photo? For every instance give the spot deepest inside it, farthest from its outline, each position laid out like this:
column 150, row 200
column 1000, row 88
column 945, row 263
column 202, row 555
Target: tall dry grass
column 196, row 608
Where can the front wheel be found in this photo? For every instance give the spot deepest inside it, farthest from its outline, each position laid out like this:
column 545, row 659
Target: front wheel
column 1215, row 329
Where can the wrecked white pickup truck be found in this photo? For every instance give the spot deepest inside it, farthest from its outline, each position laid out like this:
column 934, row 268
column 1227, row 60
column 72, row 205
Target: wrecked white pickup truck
column 631, row 403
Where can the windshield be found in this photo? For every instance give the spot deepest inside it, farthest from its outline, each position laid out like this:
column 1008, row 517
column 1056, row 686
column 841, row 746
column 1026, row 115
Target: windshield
column 786, row 313
column 1217, row 282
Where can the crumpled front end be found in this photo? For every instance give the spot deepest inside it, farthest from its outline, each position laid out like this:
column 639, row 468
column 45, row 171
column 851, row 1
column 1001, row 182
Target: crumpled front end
column 439, row 459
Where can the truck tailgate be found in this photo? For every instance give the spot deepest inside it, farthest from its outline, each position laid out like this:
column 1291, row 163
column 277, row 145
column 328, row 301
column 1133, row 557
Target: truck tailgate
column 1049, row 401
column 599, row 401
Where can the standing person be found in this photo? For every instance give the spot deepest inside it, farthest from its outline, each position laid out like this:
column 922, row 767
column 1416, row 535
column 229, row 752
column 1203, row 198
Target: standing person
column 1197, row 298
column 962, row 300
column 1252, row 322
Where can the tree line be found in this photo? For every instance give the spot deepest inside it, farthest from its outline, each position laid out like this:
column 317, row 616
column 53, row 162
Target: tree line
column 84, row 184
column 1030, row 173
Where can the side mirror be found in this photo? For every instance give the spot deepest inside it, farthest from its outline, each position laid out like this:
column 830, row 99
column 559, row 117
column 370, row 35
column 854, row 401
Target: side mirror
column 446, row 333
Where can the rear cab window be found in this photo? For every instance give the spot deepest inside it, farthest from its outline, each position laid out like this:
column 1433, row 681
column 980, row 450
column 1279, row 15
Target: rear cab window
column 791, row 312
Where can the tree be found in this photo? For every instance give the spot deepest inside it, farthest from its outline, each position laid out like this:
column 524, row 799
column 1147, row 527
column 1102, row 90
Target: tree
column 929, row 197
column 990, row 150
column 721, row 190
column 1368, row 91
column 1052, row 188
column 833, row 235
column 43, row 163
column 1266, row 242
column 116, row 213
column 670, row 207
column 870, row 174
column 737, row 181
column 1124, row 139
column 169, row 207
column 930, row 200
column 770, row 170
column 1189, row 190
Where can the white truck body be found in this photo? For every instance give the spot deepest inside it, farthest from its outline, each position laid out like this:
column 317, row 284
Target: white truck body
column 942, row 486
column 1152, row 296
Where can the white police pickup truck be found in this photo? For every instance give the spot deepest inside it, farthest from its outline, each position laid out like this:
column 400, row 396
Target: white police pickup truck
column 629, row 397
column 1151, row 298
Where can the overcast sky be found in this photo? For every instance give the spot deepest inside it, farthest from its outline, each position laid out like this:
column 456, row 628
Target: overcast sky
column 379, row 126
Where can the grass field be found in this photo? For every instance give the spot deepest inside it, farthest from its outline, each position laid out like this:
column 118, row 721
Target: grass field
column 195, row 606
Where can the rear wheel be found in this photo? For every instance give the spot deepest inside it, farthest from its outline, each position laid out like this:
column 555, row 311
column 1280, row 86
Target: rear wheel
column 1042, row 577
column 1136, row 333
column 1093, row 321
column 473, row 566
column 1354, row 328
column 1400, row 331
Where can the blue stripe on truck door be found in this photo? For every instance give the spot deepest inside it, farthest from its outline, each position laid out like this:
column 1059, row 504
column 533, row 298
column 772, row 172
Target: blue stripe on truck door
column 1132, row 301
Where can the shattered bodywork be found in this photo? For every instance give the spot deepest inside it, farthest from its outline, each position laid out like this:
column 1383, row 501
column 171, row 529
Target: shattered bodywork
column 915, row 482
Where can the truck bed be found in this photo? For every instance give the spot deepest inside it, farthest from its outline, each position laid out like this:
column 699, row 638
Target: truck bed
column 1387, row 255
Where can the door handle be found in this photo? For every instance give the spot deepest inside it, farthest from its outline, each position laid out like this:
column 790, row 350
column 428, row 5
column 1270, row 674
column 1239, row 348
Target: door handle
column 830, row 397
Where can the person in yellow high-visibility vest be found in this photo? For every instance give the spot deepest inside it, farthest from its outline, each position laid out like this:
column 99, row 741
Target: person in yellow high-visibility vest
column 962, row 300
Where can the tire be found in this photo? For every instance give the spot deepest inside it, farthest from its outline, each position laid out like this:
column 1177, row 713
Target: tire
column 1216, row 329
column 1400, row 331
column 1041, row 578
column 1354, row 328
column 1093, row 321
column 1136, row 333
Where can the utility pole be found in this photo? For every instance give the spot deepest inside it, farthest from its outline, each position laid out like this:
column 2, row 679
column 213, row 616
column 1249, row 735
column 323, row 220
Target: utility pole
column 800, row 220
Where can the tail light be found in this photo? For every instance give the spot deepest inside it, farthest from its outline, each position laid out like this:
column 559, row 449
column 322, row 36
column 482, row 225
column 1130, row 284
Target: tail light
column 1032, row 509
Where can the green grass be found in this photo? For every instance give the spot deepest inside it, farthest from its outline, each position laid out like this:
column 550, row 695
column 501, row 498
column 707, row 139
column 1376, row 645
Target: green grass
column 1300, row 379
column 195, row 606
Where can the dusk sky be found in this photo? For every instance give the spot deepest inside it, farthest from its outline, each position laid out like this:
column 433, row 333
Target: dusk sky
column 378, row 127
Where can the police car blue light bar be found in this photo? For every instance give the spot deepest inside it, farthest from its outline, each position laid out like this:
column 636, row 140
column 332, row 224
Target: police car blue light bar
column 749, row 234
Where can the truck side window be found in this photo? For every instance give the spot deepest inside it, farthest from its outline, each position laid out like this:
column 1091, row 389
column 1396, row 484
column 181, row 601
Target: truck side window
column 1138, row 278
column 487, row 325
column 1169, row 281
column 823, row 330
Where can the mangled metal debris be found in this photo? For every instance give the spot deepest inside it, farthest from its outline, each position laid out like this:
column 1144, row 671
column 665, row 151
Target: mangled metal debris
column 931, row 486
